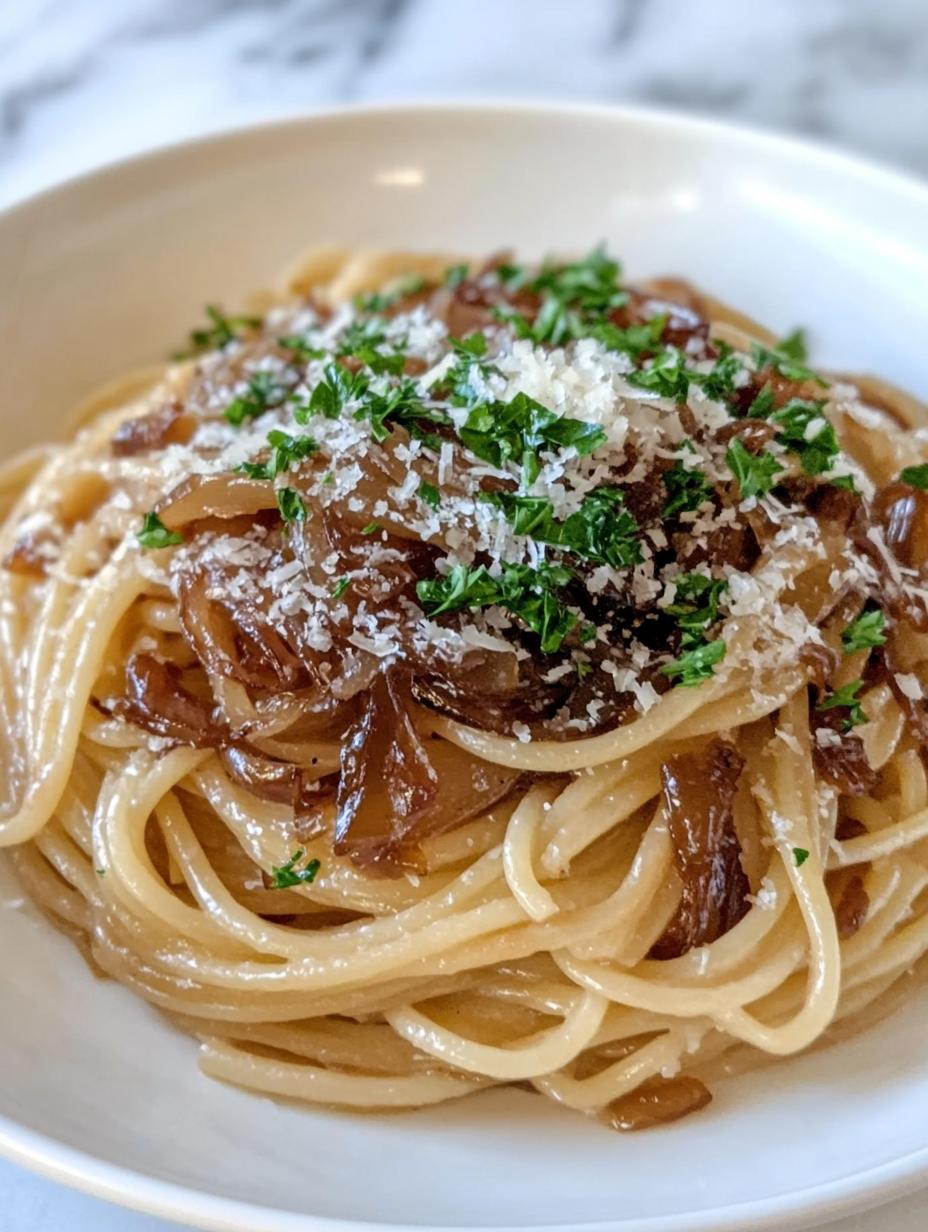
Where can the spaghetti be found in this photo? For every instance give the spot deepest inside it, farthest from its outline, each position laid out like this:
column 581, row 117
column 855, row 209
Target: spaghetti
column 471, row 675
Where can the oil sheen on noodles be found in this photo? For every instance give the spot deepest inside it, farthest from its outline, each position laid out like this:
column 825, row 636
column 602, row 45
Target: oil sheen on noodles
column 457, row 675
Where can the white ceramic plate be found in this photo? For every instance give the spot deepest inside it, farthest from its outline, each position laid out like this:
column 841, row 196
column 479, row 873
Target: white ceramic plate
column 109, row 271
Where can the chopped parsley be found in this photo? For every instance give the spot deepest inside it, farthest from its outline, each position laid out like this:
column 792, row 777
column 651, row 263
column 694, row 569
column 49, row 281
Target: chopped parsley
column 800, row 855
column 263, row 392
column 788, row 357
column 285, row 450
column 844, row 481
column 916, row 476
column 687, row 488
column 340, row 587
column 468, row 364
column 285, row 876
column 530, row 594
column 371, row 528
column 719, row 382
column 666, row 375
column 574, row 297
column 695, row 665
column 805, row 431
column 154, row 533
column 220, row 332
column 380, row 301
column 454, row 275
column 696, row 605
column 328, row 399
column 290, row 504
column 500, row 432
column 846, row 698
column 602, row 530
column 864, row 632
column 430, row 494
column 634, row 340
column 756, row 473
column 365, row 341
column 763, row 404
column 402, row 404
column 300, row 348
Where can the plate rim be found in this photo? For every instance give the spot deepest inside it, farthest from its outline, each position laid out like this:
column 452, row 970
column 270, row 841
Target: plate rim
column 91, row 1174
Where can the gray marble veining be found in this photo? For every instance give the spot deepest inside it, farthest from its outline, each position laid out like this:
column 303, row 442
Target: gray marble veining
column 86, row 81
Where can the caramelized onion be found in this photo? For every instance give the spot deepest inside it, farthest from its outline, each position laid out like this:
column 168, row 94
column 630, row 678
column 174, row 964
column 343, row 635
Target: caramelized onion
column 902, row 511
column 658, row 1101
column 699, row 793
column 157, row 701
column 235, row 639
column 214, row 496
column 28, row 556
column 844, row 765
column 167, row 426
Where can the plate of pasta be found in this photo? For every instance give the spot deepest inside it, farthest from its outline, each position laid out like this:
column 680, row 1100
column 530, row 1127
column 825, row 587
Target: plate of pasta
column 464, row 676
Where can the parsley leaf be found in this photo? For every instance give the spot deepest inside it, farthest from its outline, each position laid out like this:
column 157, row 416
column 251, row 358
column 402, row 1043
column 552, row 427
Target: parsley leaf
column 844, row 481
column 666, row 375
column 696, row 605
column 263, row 392
column 154, row 533
column 602, row 530
column 635, row 339
column 756, row 473
column 285, row 450
column 300, row 348
column 430, row 494
column 800, row 855
column 454, row 275
column 469, row 351
column 337, row 387
column 687, row 488
column 220, row 332
column 527, row 593
column 379, row 301
column 364, row 341
column 340, row 587
column 719, row 382
column 285, row 876
column 788, row 358
column 763, row 404
column 805, row 431
column 371, row 528
column 574, row 297
column 864, row 632
column 846, row 697
column 915, row 476
column 403, row 405
column 290, row 504
column 695, row 665
column 499, row 432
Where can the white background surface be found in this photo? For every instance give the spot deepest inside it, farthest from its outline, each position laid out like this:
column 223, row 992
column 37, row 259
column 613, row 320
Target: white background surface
column 85, row 81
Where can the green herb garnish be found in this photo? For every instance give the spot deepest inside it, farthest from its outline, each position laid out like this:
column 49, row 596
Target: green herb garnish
column 687, row 488
column 719, row 382
column 915, row 476
column 530, row 594
column 602, row 530
column 695, row 605
column 864, row 632
column 263, row 392
column 285, row 450
column 371, row 528
column 846, row 698
column 695, row 665
column 363, row 340
column 337, row 387
column 574, row 297
column 500, row 432
column 756, row 473
column 666, row 375
column 340, row 587
column 154, row 533
column 843, row 481
column 220, row 332
column 380, row 301
column 633, row 340
column 788, row 358
column 285, row 876
column 800, row 855
column 300, row 348
column 454, row 275
column 402, row 405
column 805, row 431
column 290, row 504
column 430, row 494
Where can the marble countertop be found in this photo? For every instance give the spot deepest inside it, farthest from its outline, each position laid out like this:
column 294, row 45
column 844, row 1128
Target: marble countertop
column 83, row 82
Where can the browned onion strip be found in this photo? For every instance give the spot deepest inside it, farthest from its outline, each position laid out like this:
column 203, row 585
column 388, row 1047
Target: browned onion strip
column 166, row 426
column 157, row 701
column 214, row 496
column 699, row 793
column 657, row 1101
